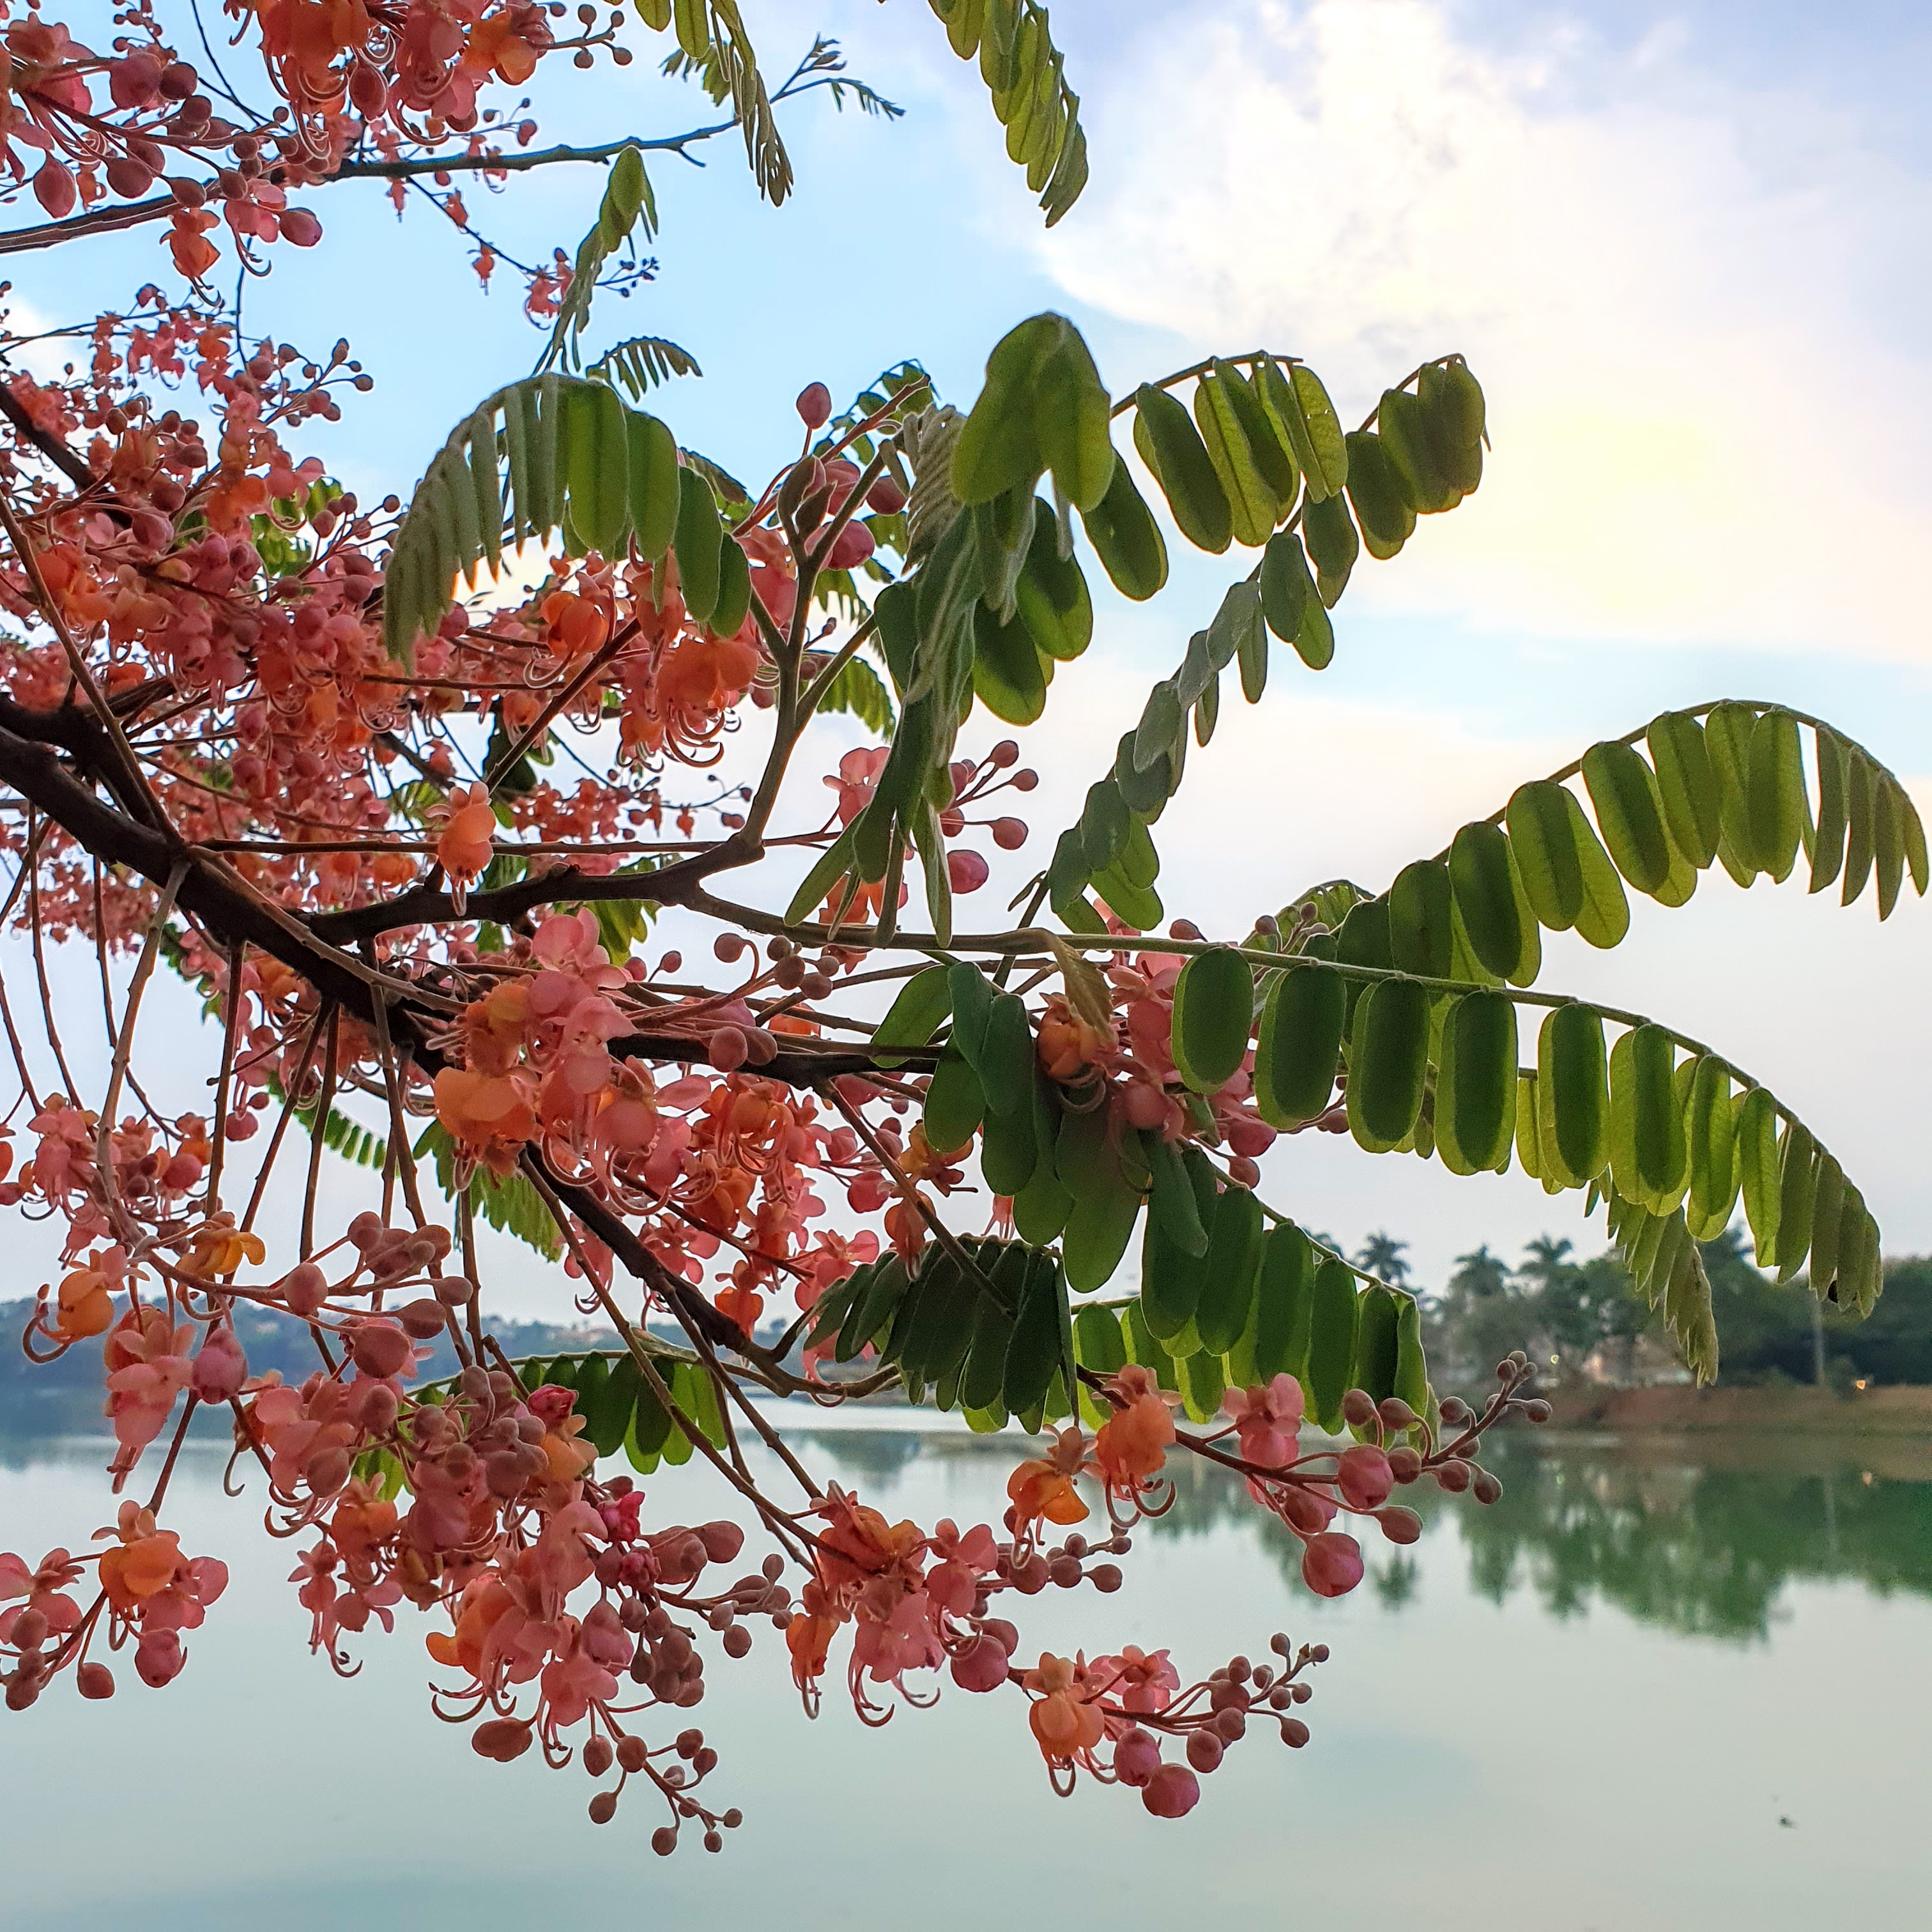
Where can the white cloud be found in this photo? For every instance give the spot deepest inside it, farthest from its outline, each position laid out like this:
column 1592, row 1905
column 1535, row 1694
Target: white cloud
column 1703, row 431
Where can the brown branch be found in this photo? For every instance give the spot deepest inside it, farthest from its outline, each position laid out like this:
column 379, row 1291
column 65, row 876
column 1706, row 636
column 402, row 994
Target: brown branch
column 72, row 466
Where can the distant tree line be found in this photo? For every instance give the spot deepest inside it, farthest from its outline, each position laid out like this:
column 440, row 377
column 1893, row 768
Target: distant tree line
column 1552, row 1304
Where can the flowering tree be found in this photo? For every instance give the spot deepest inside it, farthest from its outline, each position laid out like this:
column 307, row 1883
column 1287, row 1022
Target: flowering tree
column 305, row 753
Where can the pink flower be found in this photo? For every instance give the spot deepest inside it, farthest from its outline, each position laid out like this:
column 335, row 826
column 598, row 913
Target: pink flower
column 1267, row 1420
column 1143, row 1681
column 953, row 1581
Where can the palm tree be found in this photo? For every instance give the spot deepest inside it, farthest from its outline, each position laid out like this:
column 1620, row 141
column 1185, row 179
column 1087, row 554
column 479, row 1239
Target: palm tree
column 1546, row 1261
column 1381, row 1255
column 1480, row 1276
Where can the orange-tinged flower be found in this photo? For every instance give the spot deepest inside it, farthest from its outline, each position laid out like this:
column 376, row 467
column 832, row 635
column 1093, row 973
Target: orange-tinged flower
column 1131, row 1447
column 219, row 1247
column 85, row 1306
column 1043, row 1489
column 1063, row 1724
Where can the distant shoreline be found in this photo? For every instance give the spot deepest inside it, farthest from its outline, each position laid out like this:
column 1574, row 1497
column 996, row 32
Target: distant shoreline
column 1896, row 1410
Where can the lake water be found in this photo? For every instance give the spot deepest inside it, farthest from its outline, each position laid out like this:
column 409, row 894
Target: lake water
column 1660, row 1686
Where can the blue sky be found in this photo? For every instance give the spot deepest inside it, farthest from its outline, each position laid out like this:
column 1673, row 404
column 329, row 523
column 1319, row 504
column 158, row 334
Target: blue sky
column 1684, row 249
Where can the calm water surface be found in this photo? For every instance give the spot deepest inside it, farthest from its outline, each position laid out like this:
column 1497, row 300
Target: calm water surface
column 1659, row 1686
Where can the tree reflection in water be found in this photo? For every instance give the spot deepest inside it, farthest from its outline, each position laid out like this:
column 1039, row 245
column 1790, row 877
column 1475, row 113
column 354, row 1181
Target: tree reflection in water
column 1698, row 1536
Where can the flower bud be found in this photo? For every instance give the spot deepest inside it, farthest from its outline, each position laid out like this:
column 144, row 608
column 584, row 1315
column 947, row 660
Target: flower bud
column 1136, row 1757
column 1204, row 1751
column 502, row 1739
column 94, row 1680
column 221, row 1368
column 1364, row 1477
column 422, row 1319
column 1172, row 1792
column 631, row 1753
column 597, row 1755
column 1331, row 1565
column 305, row 1288
column 378, row 1347
column 453, row 1291
column 722, row 1540
column 814, row 406
column 984, row 1667
column 1358, row 1408
column 1399, row 1524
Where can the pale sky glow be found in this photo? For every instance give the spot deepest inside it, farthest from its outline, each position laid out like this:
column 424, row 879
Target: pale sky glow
column 1685, row 250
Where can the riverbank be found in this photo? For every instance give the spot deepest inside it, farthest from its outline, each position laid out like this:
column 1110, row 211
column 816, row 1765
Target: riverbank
column 1904, row 1410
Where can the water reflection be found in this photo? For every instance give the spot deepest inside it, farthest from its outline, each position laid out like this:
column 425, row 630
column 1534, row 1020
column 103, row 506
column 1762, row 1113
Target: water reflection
column 1613, row 1686
column 1701, row 1540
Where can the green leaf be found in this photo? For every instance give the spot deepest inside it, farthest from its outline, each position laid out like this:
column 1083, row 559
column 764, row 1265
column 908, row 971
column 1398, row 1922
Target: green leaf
column 1710, row 1131
column 1010, row 675
column 1476, row 1084
column 1203, row 1383
column 1008, row 1068
column 1403, row 427
column 1328, row 448
column 956, row 1103
column 1687, row 784
column 1629, row 813
column 1376, row 1346
column 1861, row 783
column 1728, row 732
column 1777, row 810
column 1605, row 917
column 1797, row 1188
column 921, row 1006
column 1126, row 538
column 1213, row 1013
column 1174, row 451
column 1421, row 905
column 1051, row 595
column 1331, row 1341
column 1252, row 504
column 1388, row 1061
column 1888, row 841
column 656, row 484
column 1175, row 1209
column 985, row 1374
column 1547, row 860
column 643, row 364
column 998, row 447
column 1572, row 1084
column 1070, row 415
column 1663, row 1157
column 1097, row 1340
column 1228, row 1280
column 1285, row 589
column 1035, row 1351
column 858, row 689
column 1376, row 494
column 1411, row 1368
column 1827, row 844
column 1481, row 870
column 697, row 545
column 1284, row 1303
column 1329, row 531
column 1754, row 1141
column 1300, row 1046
